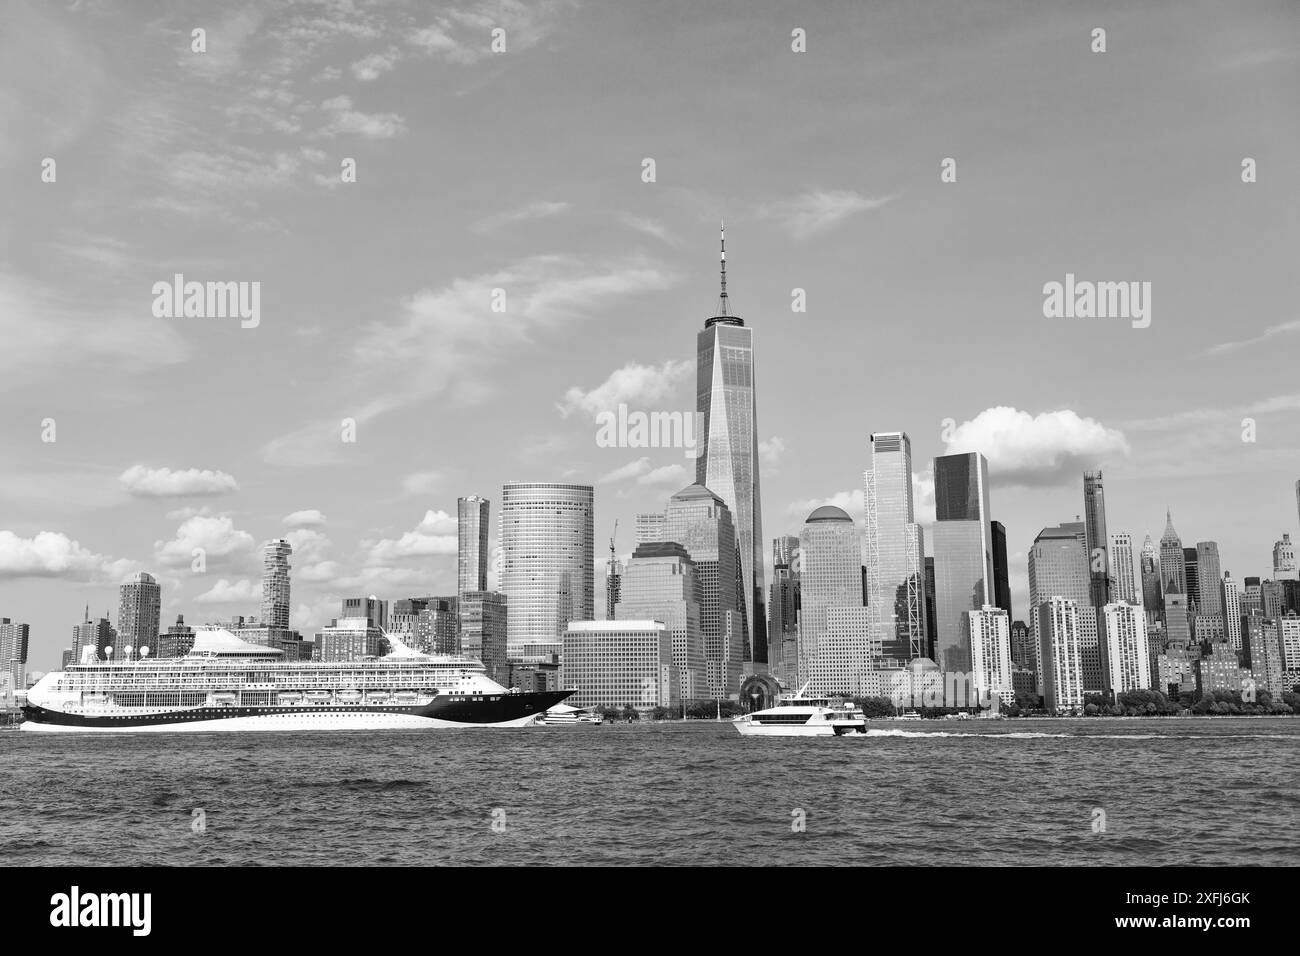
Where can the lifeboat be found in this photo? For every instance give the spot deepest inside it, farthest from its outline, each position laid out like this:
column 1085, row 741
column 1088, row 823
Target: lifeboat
column 349, row 696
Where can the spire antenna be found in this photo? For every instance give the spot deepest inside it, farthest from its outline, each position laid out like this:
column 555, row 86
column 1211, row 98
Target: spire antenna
column 722, row 307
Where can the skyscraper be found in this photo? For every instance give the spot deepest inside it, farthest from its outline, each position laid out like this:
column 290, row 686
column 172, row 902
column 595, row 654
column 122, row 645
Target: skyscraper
column 548, row 562
column 1173, row 569
column 1126, row 656
column 1208, row 579
column 1151, row 590
column 471, row 544
column 1061, row 676
column 138, row 612
column 613, row 578
column 700, row 522
column 483, row 617
column 1284, row 561
column 990, row 642
column 835, row 643
column 1191, row 572
column 661, row 585
column 1231, row 598
column 728, row 465
column 893, row 551
column 97, row 635
column 1123, row 586
column 1001, row 570
column 783, row 609
column 13, row 655
column 275, row 584
column 1059, row 568
column 963, row 553
column 1095, row 539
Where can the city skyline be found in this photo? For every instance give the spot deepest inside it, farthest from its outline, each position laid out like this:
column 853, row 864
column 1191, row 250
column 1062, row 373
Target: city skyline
column 353, row 329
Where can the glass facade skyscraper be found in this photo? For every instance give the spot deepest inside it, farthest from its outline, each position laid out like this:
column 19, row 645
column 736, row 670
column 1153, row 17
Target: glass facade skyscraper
column 893, row 550
column 1173, row 566
column 547, row 563
column 700, row 521
column 836, row 647
column 963, row 554
column 660, row 585
column 783, row 609
column 728, row 464
column 472, row 544
column 1094, row 529
column 1059, row 568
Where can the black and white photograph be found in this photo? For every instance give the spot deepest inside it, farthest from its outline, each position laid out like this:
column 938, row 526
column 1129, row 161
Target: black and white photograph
column 693, row 434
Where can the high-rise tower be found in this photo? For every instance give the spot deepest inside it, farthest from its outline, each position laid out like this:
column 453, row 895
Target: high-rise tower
column 275, row 584
column 963, row 554
column 1173, row 565
column 138, row 612
column 547, row 563
column 1152, row 592
column 728, row 463
column 472, row 544
column 893, row 553
column 1094, row 527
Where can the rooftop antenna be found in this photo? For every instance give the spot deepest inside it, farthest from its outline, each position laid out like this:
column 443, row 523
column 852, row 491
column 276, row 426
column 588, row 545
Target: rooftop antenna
column 722, row 306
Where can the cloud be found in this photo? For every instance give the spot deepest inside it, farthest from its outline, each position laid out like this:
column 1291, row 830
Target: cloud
column 535, row 210
column 650, row 227
column 217, row 536
column 1273, row 331
column 544, row 294
column 180, row 514
column 819, row 210
column 304, row 519
column 227, row 592
column 376, row 64
column 342, row 119
column 771, row 450
column 1037, row 450
column 434, row 535
column 674, row 476
column 144, row 482
column 638, row 386
column 463, row 35
column 52, row 554
column 422, row 483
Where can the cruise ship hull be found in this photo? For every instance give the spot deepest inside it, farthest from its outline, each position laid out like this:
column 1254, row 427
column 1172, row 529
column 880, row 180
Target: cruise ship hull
column 506, row 710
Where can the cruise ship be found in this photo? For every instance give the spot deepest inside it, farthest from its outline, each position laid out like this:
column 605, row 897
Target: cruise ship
column 225, row 683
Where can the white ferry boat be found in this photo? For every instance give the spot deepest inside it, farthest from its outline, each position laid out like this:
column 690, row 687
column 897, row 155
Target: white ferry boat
column 562, row 715
column 225, row 683
column 798, row 716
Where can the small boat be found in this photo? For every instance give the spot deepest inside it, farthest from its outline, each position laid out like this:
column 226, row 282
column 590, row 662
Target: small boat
column 225, row 698
column 319, row 696
column 405, row 697
column 562, row 715
column 289, row 698
column 349, row 696
column 907, row 715
column 796, row 715
column 378, row 697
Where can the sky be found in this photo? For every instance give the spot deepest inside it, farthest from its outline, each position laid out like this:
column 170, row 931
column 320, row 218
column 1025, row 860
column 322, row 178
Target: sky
column 128, row 439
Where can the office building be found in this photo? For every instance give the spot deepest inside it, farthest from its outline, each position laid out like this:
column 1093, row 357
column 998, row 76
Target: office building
column 92, row 635
column 893, row 550
column 1022, row 645
column 650, row 527
column 1059, row 567
column 177, row 640
column 1192, row 572
column 963, row 553
column 930, row 613
column 371, row 608
column 1001, row 570
column 1173, row 567
column 1262, row 655
column 661, row 585
column 471, row 544
column 1209, row 576
column 1178, row 625
column 483, row 616
column 548, row 562
column 835, row 651
column 1284, row 562
column 1122, row 581
column 437, row 626
column 1152, row 592
column 138, row 611
column 783, row 610
column 350, row 639
column 1231, row 599
column 728, row 465
column 619, row 664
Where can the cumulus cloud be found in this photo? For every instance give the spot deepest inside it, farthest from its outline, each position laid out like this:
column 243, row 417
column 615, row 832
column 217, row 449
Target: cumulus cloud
column 217, row 536
column 375, row 65
column 145, row 482
column 434, row 535
column 771, row 450
column 638, row 386
column 643, row 473
column 231, row 592
column 342, row 119
column 309, row 518
column 819, row 210
column 52, row 554
column 1037, row 450
column 422, row 483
